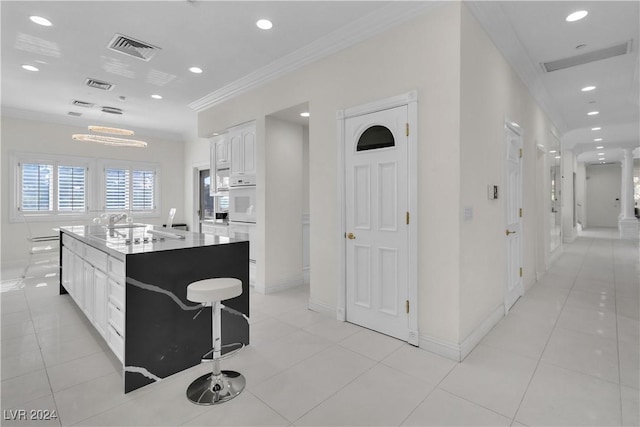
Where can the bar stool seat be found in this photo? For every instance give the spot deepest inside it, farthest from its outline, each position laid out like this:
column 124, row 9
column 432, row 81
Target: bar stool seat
column 217, row 386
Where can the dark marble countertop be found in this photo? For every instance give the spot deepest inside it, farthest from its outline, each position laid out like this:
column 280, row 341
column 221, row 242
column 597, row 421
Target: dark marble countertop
column 128, row 239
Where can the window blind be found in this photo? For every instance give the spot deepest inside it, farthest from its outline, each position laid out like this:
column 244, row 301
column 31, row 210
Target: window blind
column 37, row 187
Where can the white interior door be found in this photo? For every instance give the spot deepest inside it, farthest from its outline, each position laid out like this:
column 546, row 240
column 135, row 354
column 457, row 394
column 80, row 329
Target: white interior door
column 376, row 191
column 513, row 194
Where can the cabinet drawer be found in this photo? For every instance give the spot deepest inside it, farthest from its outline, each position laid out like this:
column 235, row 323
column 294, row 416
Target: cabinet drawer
column 116, row 318
column 74, row 245
column 116, row 342
column 95, row 257
column 116, row 269
column 116, row 294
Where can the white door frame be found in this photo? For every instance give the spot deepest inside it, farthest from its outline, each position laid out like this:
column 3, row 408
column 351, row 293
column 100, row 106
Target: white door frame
column 196, row 168
column 410, row 99
column 509, row 127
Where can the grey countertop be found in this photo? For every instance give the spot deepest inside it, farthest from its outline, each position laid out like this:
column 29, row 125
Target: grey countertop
column 141, row 238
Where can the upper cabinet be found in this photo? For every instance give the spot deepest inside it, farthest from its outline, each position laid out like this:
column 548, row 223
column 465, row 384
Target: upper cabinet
column 233, row 158
column 221, row 153
column 242, row 141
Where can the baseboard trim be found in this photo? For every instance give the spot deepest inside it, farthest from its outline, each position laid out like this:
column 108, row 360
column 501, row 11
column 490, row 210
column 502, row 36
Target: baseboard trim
column 458, row 352
column 473, row 339
column 276, row 287
column 321, row 307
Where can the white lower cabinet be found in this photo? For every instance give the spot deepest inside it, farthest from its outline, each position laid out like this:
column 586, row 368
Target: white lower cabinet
column 95, row 281
column 88, row 285
column 100, row 285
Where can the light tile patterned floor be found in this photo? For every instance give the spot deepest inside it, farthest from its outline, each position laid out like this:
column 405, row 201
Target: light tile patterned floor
column 567, row 354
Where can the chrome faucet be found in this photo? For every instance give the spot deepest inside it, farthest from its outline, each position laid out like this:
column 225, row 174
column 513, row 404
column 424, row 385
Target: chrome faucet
column 114, row 218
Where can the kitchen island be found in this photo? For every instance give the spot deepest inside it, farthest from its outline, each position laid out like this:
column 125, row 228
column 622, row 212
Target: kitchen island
column 131, row 282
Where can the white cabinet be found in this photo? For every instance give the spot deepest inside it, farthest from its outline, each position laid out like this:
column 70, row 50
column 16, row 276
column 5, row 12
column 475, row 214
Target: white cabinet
column 100, row 286
column 242, row 141
column 88, row 300
column 221, row 147
column 78, row 278
column 96, row 281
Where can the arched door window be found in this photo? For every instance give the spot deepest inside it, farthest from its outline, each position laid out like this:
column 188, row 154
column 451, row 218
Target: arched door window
column 375, row 137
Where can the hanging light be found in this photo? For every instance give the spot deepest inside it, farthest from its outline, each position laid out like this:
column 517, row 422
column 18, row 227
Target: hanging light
column 109, row 140
column 110, row 130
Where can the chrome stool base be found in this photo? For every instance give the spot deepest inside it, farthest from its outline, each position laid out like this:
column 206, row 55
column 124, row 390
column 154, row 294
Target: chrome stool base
column 210, row 389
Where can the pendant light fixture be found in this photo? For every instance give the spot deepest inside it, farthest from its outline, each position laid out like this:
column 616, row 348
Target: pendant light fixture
column 114, row 141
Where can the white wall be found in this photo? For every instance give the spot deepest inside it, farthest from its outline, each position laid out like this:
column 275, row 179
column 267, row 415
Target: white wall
column 603, row 188
column 581, row 193
column 42, row 137
column 284, row 205
column 492, row 93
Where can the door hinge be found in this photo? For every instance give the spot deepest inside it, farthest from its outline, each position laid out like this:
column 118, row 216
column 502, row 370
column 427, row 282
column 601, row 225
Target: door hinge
column 407, row 129
column 520, row 212
column 521, row 153
column 520, row 271
column 407, row 306
column 407, row 218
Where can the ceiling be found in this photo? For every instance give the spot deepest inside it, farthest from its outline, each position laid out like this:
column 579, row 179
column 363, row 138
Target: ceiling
column 221, row 38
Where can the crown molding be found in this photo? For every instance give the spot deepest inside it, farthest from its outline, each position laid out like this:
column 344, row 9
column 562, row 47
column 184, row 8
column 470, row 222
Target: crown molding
column 371, row 24
column 492, row 18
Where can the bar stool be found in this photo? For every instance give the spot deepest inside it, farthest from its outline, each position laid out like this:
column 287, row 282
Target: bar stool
column 217, row 386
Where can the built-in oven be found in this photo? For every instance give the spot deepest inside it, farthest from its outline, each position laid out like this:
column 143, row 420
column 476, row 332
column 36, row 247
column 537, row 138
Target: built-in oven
column 242, row 204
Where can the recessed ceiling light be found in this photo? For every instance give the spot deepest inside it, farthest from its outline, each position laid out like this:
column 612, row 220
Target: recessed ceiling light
column 156, row 96
column 598, row 139
column 593, row 113
column 305, row 114
column 599, row 147
column 576, row 16
column 588, row 88
column 600, row 158
column 196, row 70
column 553, row 151
column 30, row 68
column 40, row 21
column 557, row 157
column 600, row 154
column 596, row 128
column 264, row 24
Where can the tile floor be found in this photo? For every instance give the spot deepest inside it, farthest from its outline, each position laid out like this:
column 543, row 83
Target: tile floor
column 567, row 354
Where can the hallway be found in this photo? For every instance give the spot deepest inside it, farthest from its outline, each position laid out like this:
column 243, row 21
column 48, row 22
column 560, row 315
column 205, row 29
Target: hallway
column 567, row 354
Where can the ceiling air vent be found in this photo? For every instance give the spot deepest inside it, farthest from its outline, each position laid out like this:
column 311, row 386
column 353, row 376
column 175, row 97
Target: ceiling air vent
column 111, row 110
column 74, row 114
column 585, row 58
column 98, row 84
column 132, row 47
column 82, row 104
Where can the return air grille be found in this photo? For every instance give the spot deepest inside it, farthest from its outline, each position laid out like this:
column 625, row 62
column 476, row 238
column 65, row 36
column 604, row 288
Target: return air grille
column 74, row 113
column 111, row 110
column 98, row 84
column 132, row 47
column 585, row 58
column 82, row 104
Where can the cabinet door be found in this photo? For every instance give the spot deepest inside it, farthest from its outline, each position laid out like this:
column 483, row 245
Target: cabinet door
column 87, row 283
column 222, row 153
column 237, row 162
column 249, row 150
column 67, row 268
column 100, row 302
column 212, row 167
column 78, row 278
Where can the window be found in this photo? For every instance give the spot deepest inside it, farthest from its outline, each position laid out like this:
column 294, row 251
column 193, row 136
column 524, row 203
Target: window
column 375, row 137
column 130, row 189
column 36, row 182
column 72, row 189
column 51, row 188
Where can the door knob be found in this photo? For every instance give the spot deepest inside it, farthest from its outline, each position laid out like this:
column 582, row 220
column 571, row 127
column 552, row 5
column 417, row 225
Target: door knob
column 507, row 232
column 351, row 236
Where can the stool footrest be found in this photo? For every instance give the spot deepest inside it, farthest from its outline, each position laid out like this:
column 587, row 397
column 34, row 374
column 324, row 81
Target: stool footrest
column 226, row 355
